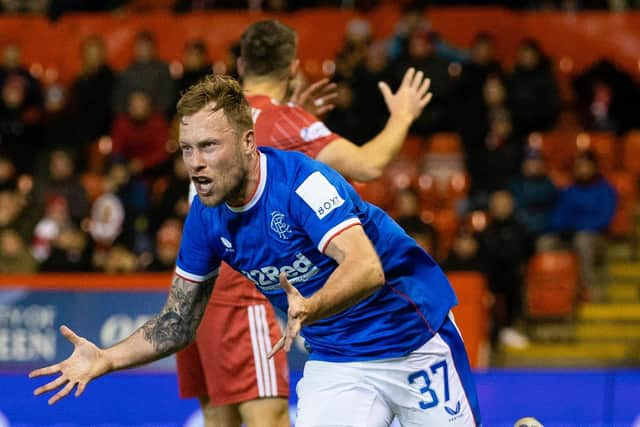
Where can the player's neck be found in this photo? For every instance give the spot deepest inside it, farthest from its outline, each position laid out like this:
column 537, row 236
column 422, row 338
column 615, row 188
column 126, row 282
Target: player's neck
column 250, row 184
column 274, row 89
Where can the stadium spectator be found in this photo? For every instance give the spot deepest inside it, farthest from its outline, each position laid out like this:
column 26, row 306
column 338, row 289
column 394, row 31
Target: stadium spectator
column 196, row 65
column 368, row 103
column 465, row 254
column 20, row 124
column 167, row 245
column 535, row 195
column 141, row 137
column 172, row 201
column 60, row 125
column 533, row 92
column 91, row 91
column 475, row 72
column 423, row 57
column 61, row 181
column 12, row 67
column 146, row 73
column 607, row 98
column 70, row 251
column 506, row 247
column 14, row 254
column 583, row 213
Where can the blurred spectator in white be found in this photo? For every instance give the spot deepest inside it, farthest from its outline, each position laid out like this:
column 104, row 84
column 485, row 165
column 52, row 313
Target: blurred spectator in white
column 14, row 254
column 146, row 73
column 91, row 92
column 141, row 136
column 56, row 219
column 535, row 195
column 533, row 92
column 105, row 225
column 583, row 213
column 506, row 247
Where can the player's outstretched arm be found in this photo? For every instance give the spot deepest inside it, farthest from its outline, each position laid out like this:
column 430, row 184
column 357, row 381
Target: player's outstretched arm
column 368, row 161
column 173, row 328
column 358, row 275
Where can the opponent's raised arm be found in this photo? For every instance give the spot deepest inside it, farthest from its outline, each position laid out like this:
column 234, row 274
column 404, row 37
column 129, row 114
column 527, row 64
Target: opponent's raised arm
column 368, row 161
column 173, row 328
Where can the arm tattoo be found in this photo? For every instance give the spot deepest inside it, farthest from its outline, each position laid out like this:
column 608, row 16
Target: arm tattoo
column 176, row 325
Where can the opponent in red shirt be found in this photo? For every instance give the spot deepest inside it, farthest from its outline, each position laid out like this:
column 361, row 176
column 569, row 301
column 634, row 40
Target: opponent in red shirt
column 244, row 385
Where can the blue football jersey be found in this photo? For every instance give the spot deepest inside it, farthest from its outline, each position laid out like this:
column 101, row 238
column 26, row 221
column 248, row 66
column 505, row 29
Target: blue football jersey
column 299, row 206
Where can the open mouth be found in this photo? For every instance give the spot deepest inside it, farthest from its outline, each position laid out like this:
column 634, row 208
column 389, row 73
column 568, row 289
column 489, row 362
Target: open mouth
column 203, row 184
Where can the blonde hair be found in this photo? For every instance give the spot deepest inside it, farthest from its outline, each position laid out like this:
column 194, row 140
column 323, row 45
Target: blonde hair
column 222, row 93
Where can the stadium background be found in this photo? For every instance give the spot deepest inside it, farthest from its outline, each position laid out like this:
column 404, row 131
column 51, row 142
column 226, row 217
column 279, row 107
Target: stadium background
column 581, row 367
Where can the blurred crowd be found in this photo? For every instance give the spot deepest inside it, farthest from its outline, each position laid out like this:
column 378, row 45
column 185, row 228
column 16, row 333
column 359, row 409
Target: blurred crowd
column 56, row 8
column 91, row 180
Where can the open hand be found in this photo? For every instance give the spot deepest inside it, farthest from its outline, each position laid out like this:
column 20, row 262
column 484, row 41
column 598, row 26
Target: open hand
column 85, row 363
column 297, row 314
column 316, row 99
column 410, row 98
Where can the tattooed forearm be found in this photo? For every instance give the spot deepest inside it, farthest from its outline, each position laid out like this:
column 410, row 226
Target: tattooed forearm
column 176, row 325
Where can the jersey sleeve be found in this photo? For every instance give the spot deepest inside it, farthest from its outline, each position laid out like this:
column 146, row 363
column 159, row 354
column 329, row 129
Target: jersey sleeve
column 197, row 260
column 322, row 203
column 292, row 128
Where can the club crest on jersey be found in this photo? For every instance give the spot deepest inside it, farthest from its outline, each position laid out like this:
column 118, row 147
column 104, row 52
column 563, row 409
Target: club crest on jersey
column 278, row 225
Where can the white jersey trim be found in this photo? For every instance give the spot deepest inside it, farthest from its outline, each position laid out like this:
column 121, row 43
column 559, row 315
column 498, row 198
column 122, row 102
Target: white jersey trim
column 334, row 231
column 195, row 277
column 261, row 184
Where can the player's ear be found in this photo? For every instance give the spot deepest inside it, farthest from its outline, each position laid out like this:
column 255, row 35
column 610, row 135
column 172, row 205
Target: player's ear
column 295, row 67
column 249, row 141
column 240, row 66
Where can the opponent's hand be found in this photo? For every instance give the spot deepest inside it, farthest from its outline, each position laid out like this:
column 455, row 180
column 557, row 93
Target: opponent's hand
column 85, row 363
column 316, row 99
column 410, row 98
column 296, row 316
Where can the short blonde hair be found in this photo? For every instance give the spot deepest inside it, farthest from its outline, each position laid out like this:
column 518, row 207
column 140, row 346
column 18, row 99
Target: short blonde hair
column 221, row 92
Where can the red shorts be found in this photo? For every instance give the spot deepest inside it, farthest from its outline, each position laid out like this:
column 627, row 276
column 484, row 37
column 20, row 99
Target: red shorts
column 228, row 360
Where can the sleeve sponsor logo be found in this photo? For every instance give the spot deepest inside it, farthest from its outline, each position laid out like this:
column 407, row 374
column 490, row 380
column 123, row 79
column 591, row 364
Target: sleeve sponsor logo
column 319, row 194
column 314, row 131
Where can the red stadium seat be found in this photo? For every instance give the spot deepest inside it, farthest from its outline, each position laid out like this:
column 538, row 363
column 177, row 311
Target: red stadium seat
column 551, row 284
column 631, row 152
column 627, row 190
